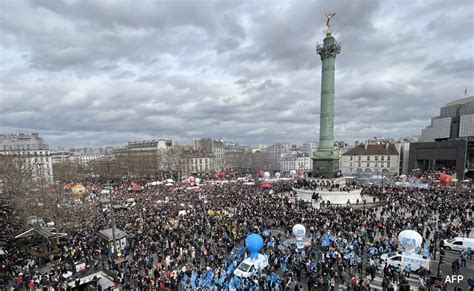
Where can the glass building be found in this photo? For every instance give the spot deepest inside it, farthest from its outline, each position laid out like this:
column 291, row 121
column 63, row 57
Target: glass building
column 448, row 142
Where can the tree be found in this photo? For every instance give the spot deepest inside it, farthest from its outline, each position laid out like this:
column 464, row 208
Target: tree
column 68, row 171
column 17, row 173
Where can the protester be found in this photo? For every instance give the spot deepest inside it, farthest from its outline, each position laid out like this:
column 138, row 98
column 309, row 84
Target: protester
column 202, row 246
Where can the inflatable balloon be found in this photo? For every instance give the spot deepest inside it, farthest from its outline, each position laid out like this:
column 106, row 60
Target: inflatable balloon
column 254, row 244
column 266, row 175
column 299, row 231
column 260, row 173
column 292, row 172
column 445, row 179
column 277, row 175
column 403, row 178
column 197, row 181
column 410, row 239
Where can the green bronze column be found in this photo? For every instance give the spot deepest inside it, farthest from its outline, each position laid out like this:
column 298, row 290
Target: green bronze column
column 326, row 159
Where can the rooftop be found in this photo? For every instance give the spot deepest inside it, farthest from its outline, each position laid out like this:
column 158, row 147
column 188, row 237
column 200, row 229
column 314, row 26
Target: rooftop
column 388, row 149
column 461, row 101
column 107, row 234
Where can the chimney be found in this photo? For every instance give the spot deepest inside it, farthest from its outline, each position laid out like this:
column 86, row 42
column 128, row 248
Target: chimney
column 366, row 145
column 386, row 146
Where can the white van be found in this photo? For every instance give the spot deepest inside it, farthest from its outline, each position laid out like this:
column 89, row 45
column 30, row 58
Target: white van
column 249, row 266
column 459, row 244
column 402, row 260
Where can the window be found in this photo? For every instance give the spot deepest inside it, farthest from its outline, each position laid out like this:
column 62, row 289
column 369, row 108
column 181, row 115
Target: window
column 350, row 164
column 359, row 158
column 351, row 158
column 388, row 158
column 382, row 158
column 458, row 243
column 376, row 158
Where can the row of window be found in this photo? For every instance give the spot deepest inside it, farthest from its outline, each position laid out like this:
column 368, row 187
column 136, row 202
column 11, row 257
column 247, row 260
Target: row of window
column 199, row 161
column 21, row 153
column 370, row 158
column 376, row 165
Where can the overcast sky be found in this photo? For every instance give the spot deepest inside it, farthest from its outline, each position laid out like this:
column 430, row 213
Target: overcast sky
column 97, row 72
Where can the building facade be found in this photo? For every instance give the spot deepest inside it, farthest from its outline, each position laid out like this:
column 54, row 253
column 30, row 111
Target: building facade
column 297, row 162
column 32, row 151
column 371, row 159
column 75, row 157
column 309, row 147
column 448, row 142
column 150, row 145
column 275, row 153
column 215, row 147
column 196, row 162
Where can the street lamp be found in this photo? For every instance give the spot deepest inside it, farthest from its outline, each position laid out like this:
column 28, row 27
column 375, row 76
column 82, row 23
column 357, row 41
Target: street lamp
column 441, row 256
column 112, row 214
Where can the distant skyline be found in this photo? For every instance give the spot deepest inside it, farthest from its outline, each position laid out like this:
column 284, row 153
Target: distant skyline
column 97, row 73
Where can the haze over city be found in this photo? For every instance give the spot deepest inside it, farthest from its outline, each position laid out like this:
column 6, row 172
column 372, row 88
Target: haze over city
column 95, row 73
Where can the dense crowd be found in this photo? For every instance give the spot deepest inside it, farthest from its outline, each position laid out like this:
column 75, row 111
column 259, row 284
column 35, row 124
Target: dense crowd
column 200, row 248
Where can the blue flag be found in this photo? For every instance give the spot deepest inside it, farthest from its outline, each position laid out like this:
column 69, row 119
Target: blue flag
column 193, row 280
column 185, row 279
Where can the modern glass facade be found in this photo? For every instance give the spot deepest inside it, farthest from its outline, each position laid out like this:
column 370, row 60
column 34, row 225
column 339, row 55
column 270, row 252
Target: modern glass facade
column 456, row 120
column 466, row 127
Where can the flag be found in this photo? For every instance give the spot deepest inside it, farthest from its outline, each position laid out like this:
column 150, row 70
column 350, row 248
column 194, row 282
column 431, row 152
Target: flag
column 465, row 91
column 185, row 279
column 193, row 280
column 270, row 244
column 327, row 240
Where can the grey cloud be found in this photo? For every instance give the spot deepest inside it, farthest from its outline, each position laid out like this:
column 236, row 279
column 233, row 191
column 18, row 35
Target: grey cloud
column 100, row 72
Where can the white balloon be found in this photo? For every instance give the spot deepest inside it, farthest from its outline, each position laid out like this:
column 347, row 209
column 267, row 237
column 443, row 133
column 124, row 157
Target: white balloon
column 293, row 172
column 299, row 231
column 410, row 239
column 266, row 175
column 277, row 174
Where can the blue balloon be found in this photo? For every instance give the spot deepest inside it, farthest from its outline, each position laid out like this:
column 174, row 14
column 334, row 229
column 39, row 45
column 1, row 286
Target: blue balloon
column 254, row 244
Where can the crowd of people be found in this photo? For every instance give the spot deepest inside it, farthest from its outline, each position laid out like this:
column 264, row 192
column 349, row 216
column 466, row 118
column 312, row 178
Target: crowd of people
column 183, row 238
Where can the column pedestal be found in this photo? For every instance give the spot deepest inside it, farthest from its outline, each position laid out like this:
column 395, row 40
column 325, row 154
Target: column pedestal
column 326, row 163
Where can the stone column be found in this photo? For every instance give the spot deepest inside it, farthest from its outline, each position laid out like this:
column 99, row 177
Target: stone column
column 326, row 159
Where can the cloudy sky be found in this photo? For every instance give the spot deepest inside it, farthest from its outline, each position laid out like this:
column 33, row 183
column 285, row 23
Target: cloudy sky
column 103, row 72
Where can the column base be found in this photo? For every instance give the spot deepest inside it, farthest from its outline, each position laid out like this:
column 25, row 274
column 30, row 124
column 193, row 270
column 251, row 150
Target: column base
column 326, row 163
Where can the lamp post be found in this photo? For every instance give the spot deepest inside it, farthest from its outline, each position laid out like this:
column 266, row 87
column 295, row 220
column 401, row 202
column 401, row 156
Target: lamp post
column 112, row 214
column 441, row 256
